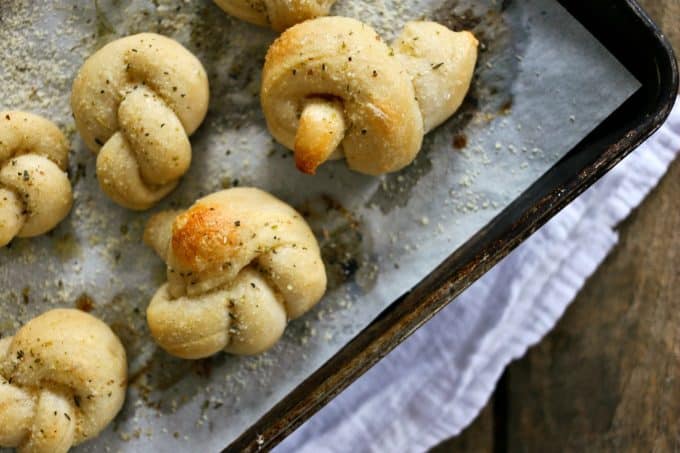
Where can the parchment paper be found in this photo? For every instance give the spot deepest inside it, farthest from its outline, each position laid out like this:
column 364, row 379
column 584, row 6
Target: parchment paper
column 542, row 84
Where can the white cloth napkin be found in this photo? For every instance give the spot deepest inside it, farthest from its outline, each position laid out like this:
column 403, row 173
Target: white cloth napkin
column 435, row 383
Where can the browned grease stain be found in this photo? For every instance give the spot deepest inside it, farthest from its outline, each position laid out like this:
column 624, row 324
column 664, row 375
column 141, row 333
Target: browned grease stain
column 506, row 108
column 66, row 247
column 125, row 317
column 242, row 73
column 85, row 303
column 202, row 368
column 163, row 372
column 345, row 246
column 460, row 141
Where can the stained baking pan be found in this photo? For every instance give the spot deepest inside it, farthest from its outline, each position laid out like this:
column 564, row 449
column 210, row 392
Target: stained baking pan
column 522, row 146
column 630, row 35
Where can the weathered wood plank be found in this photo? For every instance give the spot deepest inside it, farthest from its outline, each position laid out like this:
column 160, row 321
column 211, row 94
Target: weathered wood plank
column 666, row 13
column 608, row 377
column 478, row 437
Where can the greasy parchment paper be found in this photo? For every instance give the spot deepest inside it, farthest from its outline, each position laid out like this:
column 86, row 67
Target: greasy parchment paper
column 542, row 84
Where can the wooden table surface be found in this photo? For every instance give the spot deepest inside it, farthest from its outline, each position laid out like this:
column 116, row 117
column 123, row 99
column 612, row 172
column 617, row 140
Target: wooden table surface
column 607, row 378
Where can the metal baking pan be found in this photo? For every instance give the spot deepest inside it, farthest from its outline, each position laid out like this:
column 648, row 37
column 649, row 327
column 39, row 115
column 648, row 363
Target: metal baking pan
column 630, row 35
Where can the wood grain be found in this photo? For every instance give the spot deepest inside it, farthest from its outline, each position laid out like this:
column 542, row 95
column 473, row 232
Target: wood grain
column 666, row 13
column 478, row 437
column 608, row 377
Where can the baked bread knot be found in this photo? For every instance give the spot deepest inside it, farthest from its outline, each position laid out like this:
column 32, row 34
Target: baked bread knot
column 136, row 101
column 63, row 378
column 241, row 263
column 276, row 14
column 332, row 88
column 35, row 193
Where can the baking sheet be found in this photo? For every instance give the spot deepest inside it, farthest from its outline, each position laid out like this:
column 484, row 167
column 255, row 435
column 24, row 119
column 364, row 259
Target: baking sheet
column 542, row 84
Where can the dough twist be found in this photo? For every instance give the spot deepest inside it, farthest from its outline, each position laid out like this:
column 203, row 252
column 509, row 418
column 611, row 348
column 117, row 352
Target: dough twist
column 331, row 87
column 62, row 380
column 35, row 193
column 135, row 102
column 277, row 14
column 240, row 264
